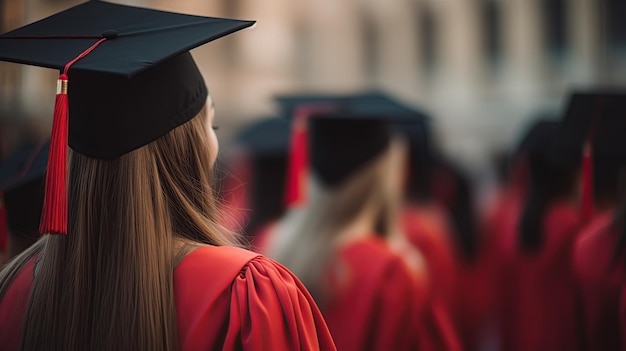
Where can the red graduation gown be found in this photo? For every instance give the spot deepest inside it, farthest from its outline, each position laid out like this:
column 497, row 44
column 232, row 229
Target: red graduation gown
column 540, row 302
column 600, row 278
column 426, row 227
column 623, row 317
column 379, row 304
column 249, row 303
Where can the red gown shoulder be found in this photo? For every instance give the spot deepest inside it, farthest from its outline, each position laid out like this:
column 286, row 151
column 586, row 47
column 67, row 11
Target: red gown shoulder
column 600, row 277
column 233, row 299
column 372, row 303
column 226, row 299
column 538, row 307
column 13, row 307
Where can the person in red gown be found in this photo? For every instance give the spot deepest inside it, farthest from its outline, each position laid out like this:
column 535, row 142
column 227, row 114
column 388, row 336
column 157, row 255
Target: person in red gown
column 140, row 262
column 427, row 223
column 339, row 241
column 599, row 256
column 538, row 301
column 253, row 189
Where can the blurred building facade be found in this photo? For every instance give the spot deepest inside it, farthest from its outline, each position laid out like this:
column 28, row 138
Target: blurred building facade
column 481, row 68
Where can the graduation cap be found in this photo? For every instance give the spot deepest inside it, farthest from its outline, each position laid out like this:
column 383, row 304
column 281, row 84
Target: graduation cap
column 343, row 141
column 298, row 108
column 132, row 81
column 595, row 124
column 266, row 137
column 22, row 190
column 267, row 144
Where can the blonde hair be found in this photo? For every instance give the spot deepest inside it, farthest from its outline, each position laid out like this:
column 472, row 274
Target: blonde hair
column 108, row 284
column 308, row 237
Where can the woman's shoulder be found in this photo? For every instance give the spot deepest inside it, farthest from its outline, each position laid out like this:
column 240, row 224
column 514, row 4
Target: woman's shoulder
column 216, row 269
column 242, row 300
column 214, row 265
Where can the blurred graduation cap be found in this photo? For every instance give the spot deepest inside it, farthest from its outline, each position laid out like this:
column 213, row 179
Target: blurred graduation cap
column 594, row 124
column 343, row 141
column 132, row 81
column 541, row 139
column 22, row 189
column 267, row 144
column 266, row 137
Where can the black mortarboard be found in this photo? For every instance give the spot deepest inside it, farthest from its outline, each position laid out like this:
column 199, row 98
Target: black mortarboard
column 421, row 158
column 24, row 166
column 22, row 188
column 268, row 136
column 594, row 126
column 267, row 144
column 550, row 170
column 132, row 79
column 597, row 117
column 289, row 104
column 134, row 87
column 342, row 142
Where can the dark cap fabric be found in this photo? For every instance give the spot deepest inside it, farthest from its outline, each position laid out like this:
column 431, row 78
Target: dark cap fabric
column 342, row 142
column 135, row 86
column 266, row 137
column 289, row 104
column 598, row 117
column 266, row 142
column 22, row 178
column 23, row 167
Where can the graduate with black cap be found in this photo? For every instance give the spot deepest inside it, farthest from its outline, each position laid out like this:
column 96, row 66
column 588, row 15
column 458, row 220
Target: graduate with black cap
column 595, row 128
column 22, row 187
column 254, row 185
column 142, row 263
column 341, row 240
column 538, row 297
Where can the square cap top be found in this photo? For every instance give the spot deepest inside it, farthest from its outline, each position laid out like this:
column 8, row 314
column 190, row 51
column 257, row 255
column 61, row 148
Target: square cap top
column 132, row 88
column 370, row 104
column 138, row 38
column 131, row 81
column 344, row 139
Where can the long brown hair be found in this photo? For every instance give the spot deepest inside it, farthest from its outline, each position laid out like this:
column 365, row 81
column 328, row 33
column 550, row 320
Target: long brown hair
column 108, row 284
column 307, row 238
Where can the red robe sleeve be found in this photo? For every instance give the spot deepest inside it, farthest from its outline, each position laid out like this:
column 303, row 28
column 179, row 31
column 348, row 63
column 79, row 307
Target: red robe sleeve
column 622, row 312
column 13, row 308
column 599, row 278
column 248, row 303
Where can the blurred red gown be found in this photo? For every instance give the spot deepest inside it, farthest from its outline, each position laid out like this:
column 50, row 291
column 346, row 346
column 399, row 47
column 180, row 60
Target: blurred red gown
column 600, row 277
column 623, row 316
column 539, row 301
column 249, row 303
column 426, row 228
column 378, row 303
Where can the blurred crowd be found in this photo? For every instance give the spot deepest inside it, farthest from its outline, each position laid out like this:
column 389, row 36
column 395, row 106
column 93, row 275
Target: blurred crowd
column 541, row 267
column 396, row 242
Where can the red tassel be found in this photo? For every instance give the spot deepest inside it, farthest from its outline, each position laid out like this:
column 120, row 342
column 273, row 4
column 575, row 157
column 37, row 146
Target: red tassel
column 586, row 208
column 3, row 225
column 54, row 213
column 297, row 163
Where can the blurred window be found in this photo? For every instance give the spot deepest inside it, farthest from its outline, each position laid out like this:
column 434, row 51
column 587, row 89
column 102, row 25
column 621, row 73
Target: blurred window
column 555, row 29
column 427, row 29
column 615, row 19
column 370, row 46
column 492, row 31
